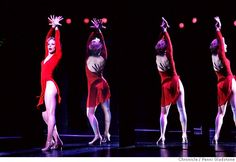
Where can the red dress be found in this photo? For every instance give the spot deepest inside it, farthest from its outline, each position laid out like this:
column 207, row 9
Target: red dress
column 169, row 78
column 224, row 75
column 47, row 68
column 98, row 88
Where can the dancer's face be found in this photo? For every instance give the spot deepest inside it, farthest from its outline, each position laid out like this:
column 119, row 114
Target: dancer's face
column 51, row 46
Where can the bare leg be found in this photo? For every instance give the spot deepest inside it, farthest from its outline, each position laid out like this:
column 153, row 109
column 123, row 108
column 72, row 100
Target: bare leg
column 55, row 132
column 107, row 115
column 49, row 115
column 94, row 124
column 233, row 100
column 219, row 121
column 45, row 117
column 163, row 123
column 56, row 136
column 182, row 113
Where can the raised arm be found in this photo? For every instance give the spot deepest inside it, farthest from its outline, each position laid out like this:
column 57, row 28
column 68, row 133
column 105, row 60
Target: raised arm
column 58, row 43
column 98, row 26
column 90, row 38
column 49, row 34
column 221, row 50
column 104, row 48
column 54, row 21
column 169, row 48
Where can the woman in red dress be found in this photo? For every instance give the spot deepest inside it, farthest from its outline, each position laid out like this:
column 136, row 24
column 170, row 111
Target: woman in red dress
column 172, row 87
column 226, row 86
column 50, row 93
column 98, row 88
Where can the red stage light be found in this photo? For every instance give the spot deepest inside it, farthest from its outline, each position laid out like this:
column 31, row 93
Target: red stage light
column 181, row 25
column 86, row 20
column 104, row 20
column 194, row 20
column 68, row 21
column 234, row 22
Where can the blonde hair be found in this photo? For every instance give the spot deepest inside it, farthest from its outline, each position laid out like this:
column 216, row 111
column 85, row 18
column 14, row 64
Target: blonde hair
column 95, row 44
column 50, row 38
column 214, row 45
column 161, row 44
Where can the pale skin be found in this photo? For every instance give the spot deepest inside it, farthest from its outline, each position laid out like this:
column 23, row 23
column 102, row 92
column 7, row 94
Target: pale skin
column 96, row 64
column 182, row 116
column 163, row 64
column 221, row 112
column 50, row 97
column 217, row 65
column 94, row 123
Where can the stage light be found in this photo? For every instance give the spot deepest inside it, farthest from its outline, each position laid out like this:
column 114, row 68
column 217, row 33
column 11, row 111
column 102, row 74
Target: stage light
column 234, row 22
column 86, row 20
column 68, row 21
column 194, row 20
column 181, row 25
column 104, row 20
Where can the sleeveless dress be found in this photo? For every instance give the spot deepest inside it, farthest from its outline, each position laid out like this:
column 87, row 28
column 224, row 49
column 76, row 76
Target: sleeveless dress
column 98, row 88
column 169, row 77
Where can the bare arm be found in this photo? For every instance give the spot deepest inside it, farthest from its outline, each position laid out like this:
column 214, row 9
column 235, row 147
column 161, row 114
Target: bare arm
column 97, row 24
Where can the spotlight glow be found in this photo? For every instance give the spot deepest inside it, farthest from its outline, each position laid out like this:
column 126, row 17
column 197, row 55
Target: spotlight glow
column 194, row 20
column 68, row 21
column 104, row 20
column 234, row 22
column 181, row 25
column 86, row 20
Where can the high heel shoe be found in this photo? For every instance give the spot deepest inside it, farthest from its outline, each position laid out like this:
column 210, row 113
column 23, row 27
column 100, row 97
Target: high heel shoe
column 95, row 140
column 184, row 139
column 48, row 146
column 106, row 138
column 215, row 140
column 57, row 146
column 162, row 140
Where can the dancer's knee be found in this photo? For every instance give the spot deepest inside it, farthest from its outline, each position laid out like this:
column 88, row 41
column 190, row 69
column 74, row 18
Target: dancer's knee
column 90, row 113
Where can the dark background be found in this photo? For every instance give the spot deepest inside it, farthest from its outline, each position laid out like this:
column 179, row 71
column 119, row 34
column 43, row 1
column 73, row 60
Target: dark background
column 131, row 34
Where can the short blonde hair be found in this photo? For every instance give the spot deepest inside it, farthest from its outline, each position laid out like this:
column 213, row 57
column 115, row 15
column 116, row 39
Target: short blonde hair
column 214, row 45
column 95, row 44
column 53, row 38
column 161, row 44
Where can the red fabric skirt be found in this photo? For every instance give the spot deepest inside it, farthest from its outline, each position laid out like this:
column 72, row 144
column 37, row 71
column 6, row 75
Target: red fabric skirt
column 224, row 89
column 98, row 89
column 98, row 92
column 170, row 89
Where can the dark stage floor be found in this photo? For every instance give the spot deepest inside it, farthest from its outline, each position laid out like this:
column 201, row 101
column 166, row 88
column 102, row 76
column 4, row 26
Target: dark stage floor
column 75, row 145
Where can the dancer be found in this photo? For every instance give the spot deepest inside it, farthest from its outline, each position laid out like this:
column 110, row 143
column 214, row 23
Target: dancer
column 98, row 88
column 172, row 87
column 226, row 86
column 50, row 94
